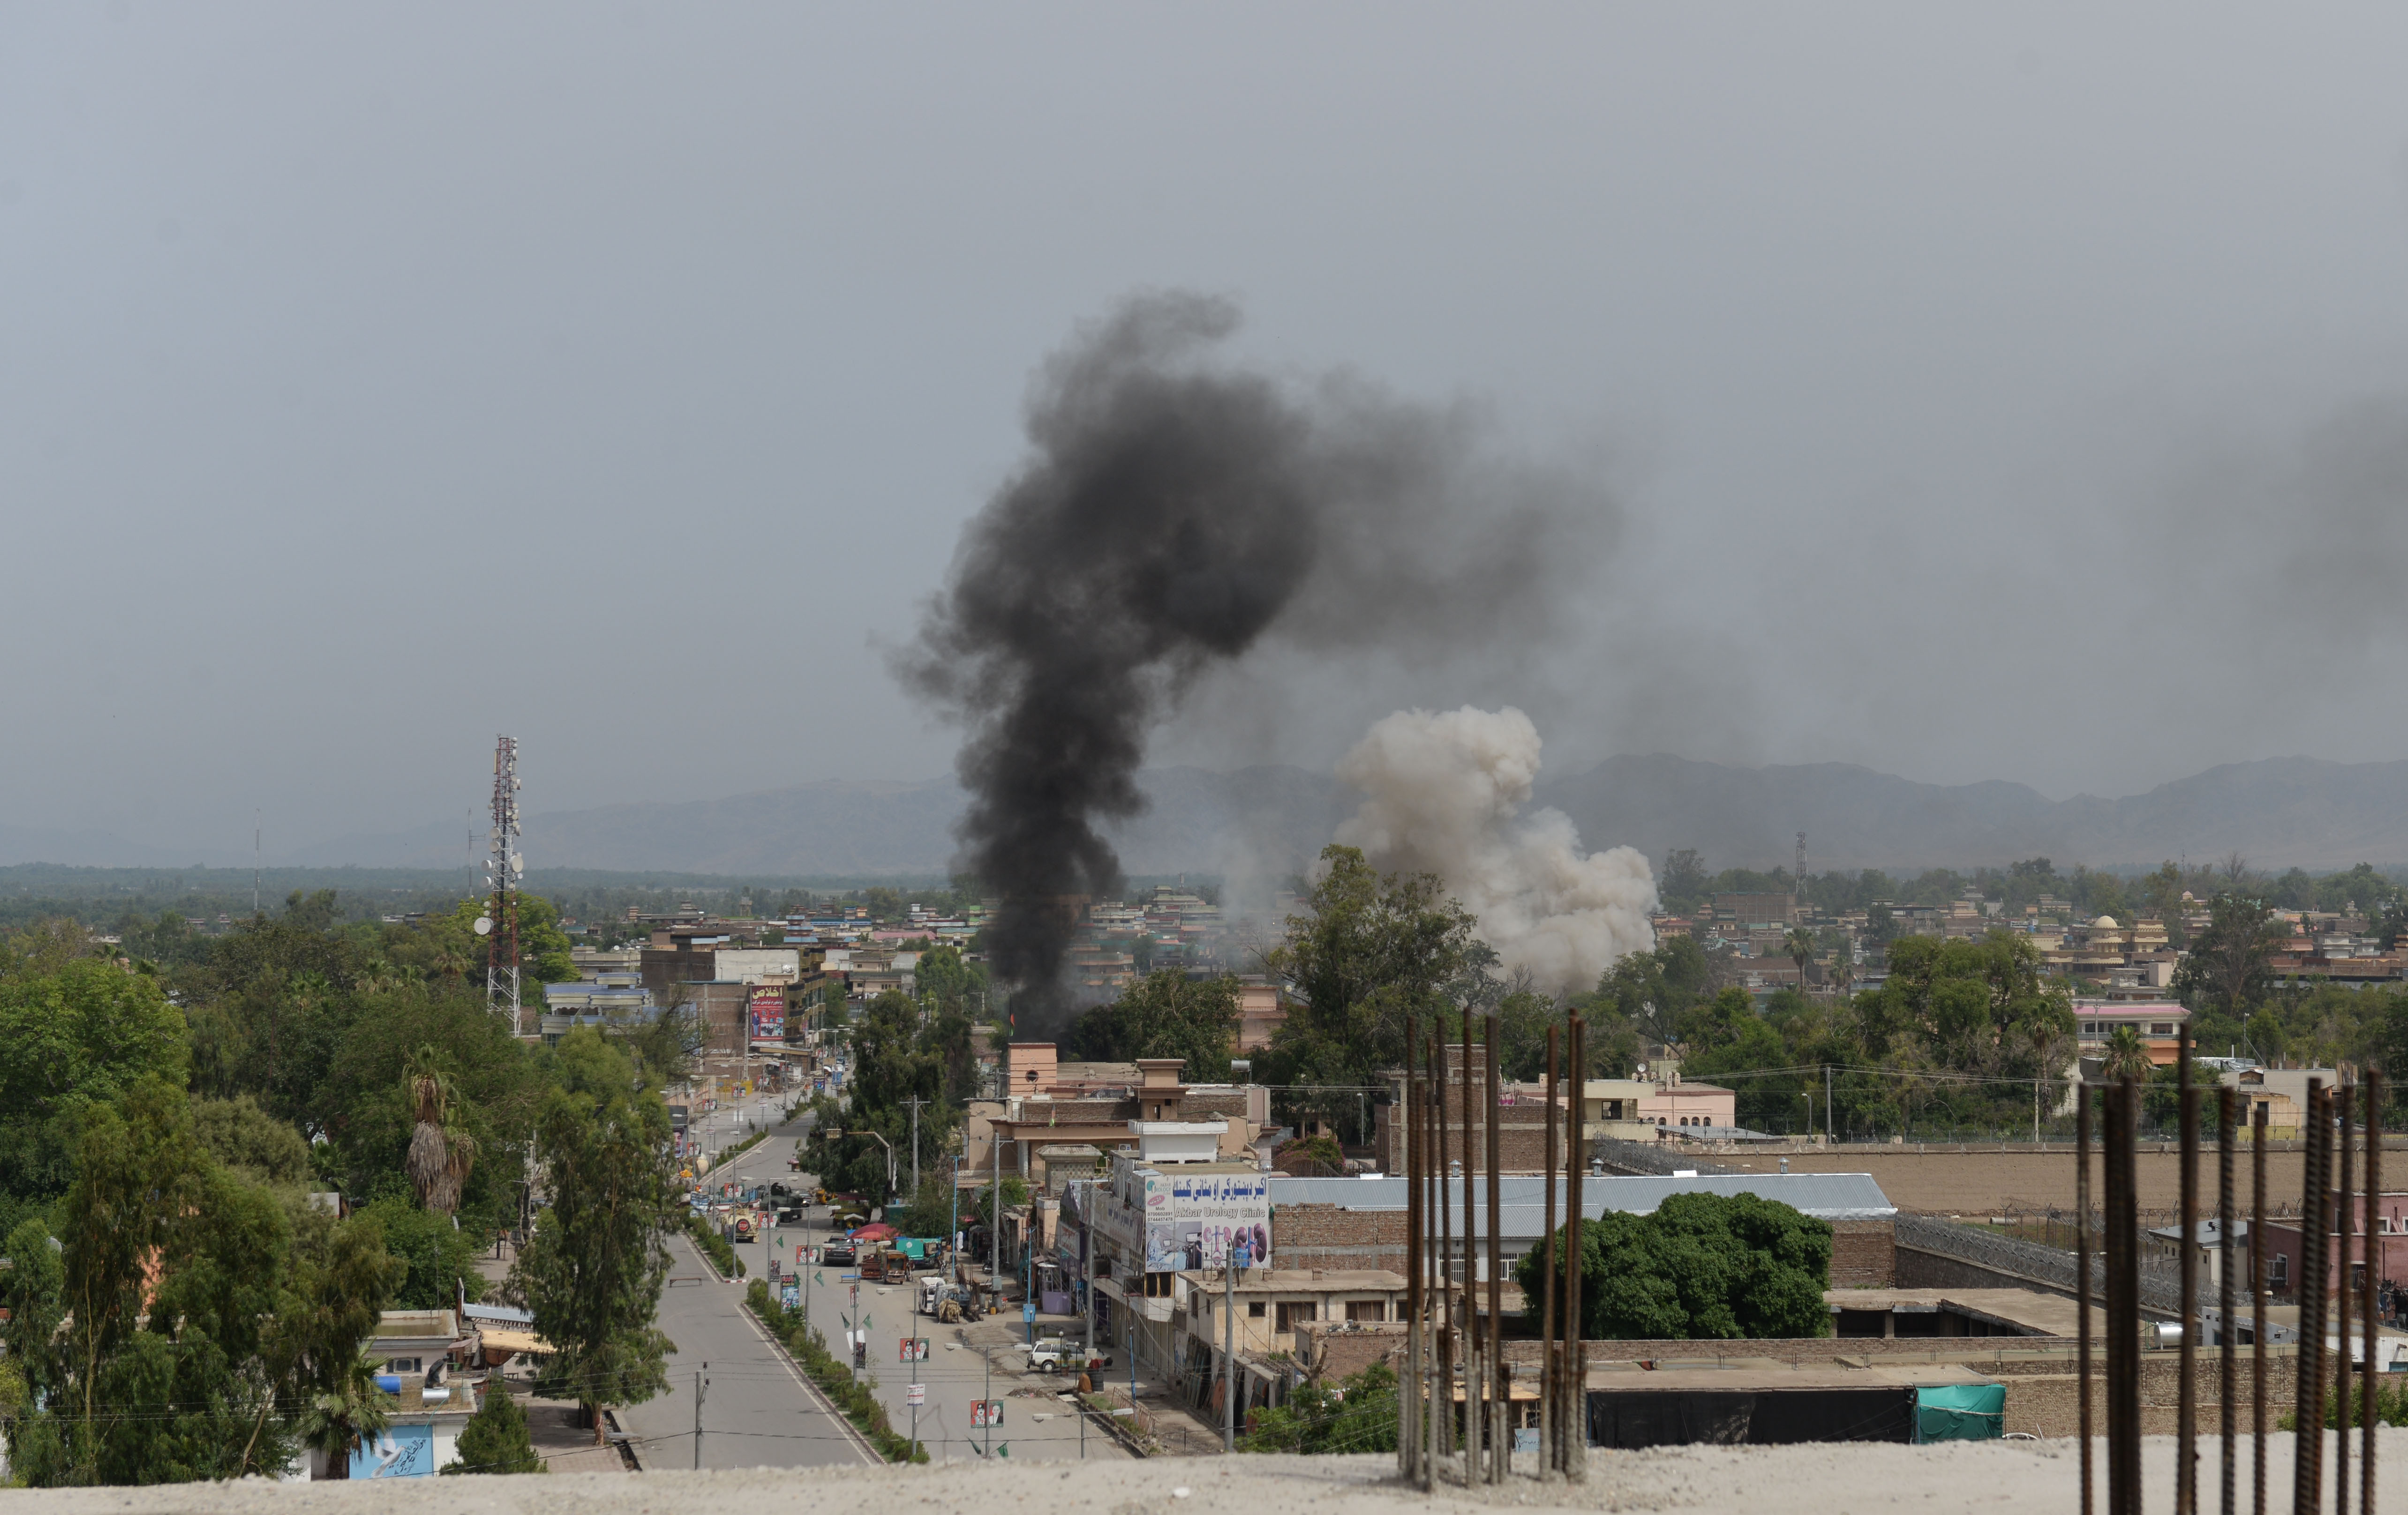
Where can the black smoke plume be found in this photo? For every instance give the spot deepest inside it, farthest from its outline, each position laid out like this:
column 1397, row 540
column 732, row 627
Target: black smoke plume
column 1172, row 513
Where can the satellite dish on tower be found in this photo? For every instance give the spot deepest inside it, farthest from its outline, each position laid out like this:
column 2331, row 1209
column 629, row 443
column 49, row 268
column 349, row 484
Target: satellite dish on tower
column 484, row 924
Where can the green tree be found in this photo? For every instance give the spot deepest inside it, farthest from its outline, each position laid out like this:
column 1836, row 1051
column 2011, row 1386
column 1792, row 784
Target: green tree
column 1319, row 1419
column 438, row 1258
column 2226, row 970
column 1370, row 951
column 495, row 1438
column 592, row 1274
column 248, row 1139
column 1700, row 1267
column 196, row 1306
column 441, row 1155
column 75, row 1036
column 1684, row 883
column 365, row 1106
column 343, row 1412
column 1165, row 1014
column 271, row 1004
column 1650, row 991
column 342, row 1279
column 2127, row 1056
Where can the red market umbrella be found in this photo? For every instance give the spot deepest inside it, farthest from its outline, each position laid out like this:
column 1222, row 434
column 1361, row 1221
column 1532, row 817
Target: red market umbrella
column 875, row 1231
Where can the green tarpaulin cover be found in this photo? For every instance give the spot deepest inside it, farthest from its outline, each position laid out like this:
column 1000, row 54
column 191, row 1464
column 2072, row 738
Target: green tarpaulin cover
column 1961, row 1412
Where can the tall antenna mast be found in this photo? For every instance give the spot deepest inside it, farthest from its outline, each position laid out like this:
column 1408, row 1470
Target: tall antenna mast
column 503, row 868
column 1801, row 865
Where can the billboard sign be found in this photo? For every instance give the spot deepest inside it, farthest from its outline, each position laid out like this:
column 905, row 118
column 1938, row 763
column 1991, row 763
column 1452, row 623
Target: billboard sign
column 1194, row 1221
column 397, row 1451
column 769, row 1012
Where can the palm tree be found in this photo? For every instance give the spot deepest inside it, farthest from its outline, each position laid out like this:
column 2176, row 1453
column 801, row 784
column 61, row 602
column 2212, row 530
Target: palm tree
column 334, row 1422
column 2126, row 1057
column 441, row 1155
column 1844, row 966
column 1800, row 945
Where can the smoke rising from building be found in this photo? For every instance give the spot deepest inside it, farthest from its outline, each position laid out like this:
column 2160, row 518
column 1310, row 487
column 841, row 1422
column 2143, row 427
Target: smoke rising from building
column 1173, row 512
column 1444, row 794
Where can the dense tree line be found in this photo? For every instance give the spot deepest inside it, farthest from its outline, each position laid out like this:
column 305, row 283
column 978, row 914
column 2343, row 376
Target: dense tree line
column 180, row 1305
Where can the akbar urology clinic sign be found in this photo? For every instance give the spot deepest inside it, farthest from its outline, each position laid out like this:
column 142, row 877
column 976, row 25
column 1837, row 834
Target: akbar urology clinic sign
column 769, row 1012
column 1192, row 1221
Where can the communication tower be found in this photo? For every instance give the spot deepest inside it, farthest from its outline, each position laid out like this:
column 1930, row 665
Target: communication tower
column 503, row 868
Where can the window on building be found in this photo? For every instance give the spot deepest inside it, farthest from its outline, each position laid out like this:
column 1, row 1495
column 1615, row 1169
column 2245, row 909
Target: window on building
column 1367, row 1310
column 2161, row 1028
column 1255, row 1306
column 1161, row 1286
column 1292, row 1312
column 2278, row 1271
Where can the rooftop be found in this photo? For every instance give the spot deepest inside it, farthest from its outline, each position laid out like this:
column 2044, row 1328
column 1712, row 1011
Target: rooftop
column 1295, row 1280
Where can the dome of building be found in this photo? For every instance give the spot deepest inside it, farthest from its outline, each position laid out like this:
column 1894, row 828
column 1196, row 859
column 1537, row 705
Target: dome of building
column 2105, row 922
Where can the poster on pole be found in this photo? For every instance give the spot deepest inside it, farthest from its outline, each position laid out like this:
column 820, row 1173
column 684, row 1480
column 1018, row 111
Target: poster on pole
column 914, row 1395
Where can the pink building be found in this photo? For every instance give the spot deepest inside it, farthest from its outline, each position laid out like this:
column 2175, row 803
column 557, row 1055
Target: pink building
column 1672, row 1103
column 2388, row 1246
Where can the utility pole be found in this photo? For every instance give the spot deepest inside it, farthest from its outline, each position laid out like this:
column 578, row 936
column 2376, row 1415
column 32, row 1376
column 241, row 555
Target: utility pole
column 953, row 1222
column 915, row 1104
column 701, row 1385
column 1828, row 1130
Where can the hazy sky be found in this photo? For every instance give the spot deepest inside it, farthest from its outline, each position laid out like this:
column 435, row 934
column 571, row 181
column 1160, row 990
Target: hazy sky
column 2016, row 394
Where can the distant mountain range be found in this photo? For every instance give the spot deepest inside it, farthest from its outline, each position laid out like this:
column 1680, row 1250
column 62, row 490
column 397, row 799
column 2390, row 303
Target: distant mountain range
column 2281, row 813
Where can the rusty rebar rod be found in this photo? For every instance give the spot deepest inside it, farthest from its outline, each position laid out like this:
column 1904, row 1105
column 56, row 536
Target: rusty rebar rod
column 1576, row 1338
column 2186, row 1222
column 1446, row 1249
column 1500, row 1403
column 2368, row 1298
column 2343, row 1100
column 2186, row 1219
column 2122, row 1302
column 2257, row 1130
column 1550, row 1382
column 2228, row 1332
column 2308, row 1407
column 1407, row 1448
column 1474, row 1337
column 2082, row 1275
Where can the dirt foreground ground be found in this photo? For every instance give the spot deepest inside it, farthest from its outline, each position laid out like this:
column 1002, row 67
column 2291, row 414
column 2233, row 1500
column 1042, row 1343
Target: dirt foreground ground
column 2009, row 1478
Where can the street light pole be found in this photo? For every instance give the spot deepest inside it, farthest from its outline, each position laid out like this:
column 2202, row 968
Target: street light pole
column 915, row 1104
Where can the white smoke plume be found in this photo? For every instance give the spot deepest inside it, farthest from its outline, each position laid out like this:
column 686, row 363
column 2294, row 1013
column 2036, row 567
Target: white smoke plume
column 1444, row 794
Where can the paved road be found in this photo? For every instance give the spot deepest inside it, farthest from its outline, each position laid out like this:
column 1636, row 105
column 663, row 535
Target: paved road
column 954, row 1376
column 758, row 1410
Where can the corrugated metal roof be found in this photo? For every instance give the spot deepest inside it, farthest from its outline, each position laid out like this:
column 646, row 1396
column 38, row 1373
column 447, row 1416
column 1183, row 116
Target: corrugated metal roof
column 1831, row 1196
